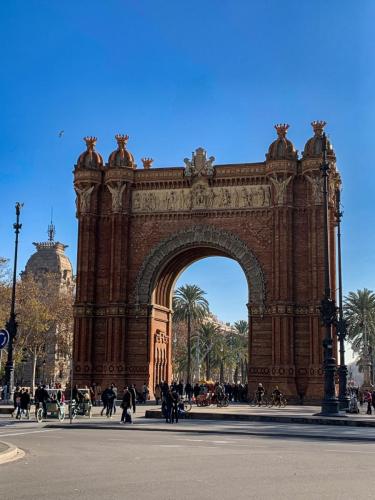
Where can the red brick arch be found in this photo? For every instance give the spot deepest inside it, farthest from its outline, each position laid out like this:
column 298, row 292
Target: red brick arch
column 139, row 228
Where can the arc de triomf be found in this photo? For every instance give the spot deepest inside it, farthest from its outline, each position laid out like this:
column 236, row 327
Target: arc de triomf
column 139, row 228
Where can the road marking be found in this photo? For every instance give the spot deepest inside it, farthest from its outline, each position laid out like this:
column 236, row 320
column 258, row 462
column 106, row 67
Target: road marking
column 353, row 451
column 30, row 432
column 168, row 445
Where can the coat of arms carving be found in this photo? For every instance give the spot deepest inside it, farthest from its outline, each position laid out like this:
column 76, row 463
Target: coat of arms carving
column 199, row 165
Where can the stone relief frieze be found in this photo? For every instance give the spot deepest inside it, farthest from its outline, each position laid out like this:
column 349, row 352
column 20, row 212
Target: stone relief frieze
column 116, row 189
column 316, row 188
column 83, row 199
column 280, row 186
column 201, row 196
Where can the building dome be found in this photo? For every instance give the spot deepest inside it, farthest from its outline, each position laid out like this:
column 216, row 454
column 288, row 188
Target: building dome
column 90, row 158
column 50, row 258
column 121, row 157
column 282, row 148
column 313, row 147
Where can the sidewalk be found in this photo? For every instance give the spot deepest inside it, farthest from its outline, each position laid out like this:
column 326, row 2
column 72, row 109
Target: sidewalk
column 289, row 415
column 8, row 453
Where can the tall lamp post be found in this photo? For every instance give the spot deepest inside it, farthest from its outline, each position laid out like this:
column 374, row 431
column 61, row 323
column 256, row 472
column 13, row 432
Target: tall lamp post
column 12, row 323
column 330, row 404
column 341, row 324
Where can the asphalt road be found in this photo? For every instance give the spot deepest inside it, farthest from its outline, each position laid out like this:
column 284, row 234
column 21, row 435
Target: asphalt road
column 133, row 463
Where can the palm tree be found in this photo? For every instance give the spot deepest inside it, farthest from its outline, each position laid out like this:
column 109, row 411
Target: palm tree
column 189, row 304
column 359, row 310
column 241, row 329
column 210, row 341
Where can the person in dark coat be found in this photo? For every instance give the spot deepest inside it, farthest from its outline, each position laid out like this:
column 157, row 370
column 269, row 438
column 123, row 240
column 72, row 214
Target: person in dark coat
column 104, row 397
column 25, row 402
column 196, row 390
column 126, row 405
column 164, row 389
column 171, row 401
column 133, row 393
column 188, row 391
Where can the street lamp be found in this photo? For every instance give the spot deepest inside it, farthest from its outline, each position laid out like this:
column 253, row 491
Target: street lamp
column 341, row 324
column 330, row 405
column 12, row 323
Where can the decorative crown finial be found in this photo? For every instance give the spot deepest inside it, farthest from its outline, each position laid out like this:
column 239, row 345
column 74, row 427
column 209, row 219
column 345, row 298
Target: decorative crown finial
column 318, row 127
column 147, row 162
column 121, row 140
column 281, row 129
column 90, row 142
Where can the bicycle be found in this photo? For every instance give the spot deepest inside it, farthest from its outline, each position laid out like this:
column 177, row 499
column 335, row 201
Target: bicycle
column 264, row 401
column 187, row 405
column 222, row 403
column 281, row 403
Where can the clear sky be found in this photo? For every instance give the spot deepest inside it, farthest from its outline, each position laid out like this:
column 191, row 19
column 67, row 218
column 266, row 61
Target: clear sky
column 176, row 75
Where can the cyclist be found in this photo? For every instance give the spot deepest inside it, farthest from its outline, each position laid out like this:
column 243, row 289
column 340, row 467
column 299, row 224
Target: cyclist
column 259, row 393
column 276, row 394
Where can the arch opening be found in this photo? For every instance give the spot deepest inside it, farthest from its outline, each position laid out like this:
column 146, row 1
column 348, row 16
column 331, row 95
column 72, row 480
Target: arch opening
column 161, row 270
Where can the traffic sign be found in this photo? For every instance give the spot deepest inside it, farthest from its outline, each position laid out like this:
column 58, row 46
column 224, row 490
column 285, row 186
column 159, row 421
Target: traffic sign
column 4, row 338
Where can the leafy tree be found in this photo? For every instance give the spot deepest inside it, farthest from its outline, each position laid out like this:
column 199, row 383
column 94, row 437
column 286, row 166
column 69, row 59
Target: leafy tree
column 189, row 305
column 45, row 317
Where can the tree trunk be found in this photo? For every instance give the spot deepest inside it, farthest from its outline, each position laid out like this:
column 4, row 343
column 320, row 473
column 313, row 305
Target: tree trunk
column 34, row 358
column 221, row 372
column 208, row 367
column 188, row 374
column 236, row 374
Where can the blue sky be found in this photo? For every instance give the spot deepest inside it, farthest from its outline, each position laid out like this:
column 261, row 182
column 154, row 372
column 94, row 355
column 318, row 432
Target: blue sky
column 176, row 75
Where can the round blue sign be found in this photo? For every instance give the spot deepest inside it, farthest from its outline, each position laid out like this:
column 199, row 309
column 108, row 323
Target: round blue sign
column 4, row 338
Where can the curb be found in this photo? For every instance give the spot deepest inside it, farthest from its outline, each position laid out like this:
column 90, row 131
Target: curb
column 10, row 454
column 313, row 420
column 240, row 432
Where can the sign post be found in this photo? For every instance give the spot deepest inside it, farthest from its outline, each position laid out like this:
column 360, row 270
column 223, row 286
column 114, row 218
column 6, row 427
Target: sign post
column 4, row 338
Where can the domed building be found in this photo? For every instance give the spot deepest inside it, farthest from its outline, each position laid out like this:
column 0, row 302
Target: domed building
column 49, row 259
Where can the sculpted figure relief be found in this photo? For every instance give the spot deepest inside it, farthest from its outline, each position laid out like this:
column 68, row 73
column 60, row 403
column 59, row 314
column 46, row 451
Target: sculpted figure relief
column 83, row 198
column 280, row 188
column 116, row 191
column 201, row 196
column 316, row 188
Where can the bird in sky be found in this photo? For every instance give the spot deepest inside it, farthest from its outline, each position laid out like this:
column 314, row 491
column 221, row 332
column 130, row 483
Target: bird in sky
column 61, row 133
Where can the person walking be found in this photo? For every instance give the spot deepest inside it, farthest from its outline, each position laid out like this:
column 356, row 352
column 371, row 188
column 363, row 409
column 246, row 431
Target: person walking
column 168, row 406
column 114, row 389
column 133, row 392
column 157, row 393
column 368, row 400
column 145, row 393
column 111, row 397
column 259, row 393
column 17, row 402
column 104, row 398
column 25, row 403
column 188, row 391
column 126, row 405
column 174, row 409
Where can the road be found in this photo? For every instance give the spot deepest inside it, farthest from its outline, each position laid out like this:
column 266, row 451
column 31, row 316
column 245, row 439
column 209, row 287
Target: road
column 143, row 461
